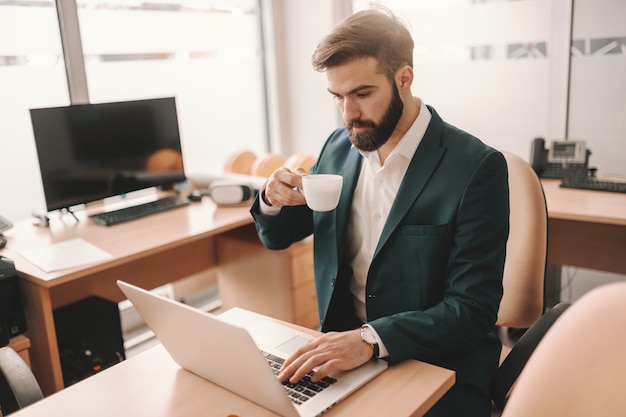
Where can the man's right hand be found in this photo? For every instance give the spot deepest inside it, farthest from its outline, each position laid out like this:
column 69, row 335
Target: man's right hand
column 282, row 188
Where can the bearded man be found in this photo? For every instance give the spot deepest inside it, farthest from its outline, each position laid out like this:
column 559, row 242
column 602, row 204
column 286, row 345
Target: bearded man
column 409, row 265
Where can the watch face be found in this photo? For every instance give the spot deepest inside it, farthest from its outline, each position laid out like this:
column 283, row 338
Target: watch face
column 367, row 336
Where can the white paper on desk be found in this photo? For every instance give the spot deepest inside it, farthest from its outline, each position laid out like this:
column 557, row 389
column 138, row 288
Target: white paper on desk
column 67, row 254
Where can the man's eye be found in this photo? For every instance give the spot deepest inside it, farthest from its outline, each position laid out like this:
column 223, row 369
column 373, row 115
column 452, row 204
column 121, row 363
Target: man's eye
column 362, row 95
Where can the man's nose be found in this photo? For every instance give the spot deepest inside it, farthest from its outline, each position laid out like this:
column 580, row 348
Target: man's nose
column 350, row 110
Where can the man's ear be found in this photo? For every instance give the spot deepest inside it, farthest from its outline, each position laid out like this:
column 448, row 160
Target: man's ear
column 404, row 77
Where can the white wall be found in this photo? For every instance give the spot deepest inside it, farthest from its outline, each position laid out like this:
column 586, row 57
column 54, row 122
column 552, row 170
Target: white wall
column 306, row 113
column 597, row 105
column 505, row 103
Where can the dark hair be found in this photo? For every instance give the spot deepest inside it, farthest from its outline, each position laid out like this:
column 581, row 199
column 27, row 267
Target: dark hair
column 373, row 33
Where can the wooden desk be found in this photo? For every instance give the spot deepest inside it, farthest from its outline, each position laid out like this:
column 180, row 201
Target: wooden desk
column 153, row 385
column 586, row 229
column 148, row 252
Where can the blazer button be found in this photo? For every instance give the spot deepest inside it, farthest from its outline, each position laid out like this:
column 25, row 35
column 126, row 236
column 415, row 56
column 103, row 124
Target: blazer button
column 371, row 296
column 332, row 283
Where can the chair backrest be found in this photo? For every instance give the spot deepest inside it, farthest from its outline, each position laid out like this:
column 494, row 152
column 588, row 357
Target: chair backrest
column 524, row 269
column 239, row 162
column 18, row 386
column 265, row 165
column 300, row 160
column 579, row 367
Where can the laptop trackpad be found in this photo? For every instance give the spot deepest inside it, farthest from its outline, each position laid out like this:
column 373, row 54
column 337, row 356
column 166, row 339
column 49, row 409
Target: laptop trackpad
column 290, row 346
column 276, row 338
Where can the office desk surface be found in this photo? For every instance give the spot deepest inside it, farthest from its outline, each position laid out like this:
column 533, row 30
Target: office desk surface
column 151, row 384
column 141, row 237
column 584, row 205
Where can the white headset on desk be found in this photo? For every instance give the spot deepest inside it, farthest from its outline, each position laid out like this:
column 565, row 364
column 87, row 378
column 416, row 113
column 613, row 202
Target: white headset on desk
column 226, row 193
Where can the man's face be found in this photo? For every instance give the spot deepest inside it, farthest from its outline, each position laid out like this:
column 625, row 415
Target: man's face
column 370, row 104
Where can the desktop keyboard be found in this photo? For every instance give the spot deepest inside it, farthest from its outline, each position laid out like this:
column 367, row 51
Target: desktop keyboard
column 110, row 218
column 585, row 183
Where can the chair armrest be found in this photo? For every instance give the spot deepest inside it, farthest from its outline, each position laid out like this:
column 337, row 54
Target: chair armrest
column 15, row 375
column 512, row 366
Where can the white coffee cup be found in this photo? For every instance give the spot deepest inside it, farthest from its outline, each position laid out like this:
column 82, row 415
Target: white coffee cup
column 322, row 191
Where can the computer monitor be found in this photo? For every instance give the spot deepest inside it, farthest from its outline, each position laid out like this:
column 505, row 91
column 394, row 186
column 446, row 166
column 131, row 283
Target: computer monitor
column 93, row 151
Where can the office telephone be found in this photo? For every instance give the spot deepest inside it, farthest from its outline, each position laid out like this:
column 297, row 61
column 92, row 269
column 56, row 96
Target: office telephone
column 4, row 225
column 566, row 158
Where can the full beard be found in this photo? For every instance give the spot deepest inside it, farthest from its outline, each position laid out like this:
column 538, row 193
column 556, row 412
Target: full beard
column 376, row 135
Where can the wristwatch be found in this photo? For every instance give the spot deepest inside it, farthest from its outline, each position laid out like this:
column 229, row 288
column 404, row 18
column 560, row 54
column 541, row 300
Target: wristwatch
column 367, row 335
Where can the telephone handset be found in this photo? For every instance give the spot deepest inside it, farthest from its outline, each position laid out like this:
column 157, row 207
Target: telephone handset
column 563, row 158
column 4, row 225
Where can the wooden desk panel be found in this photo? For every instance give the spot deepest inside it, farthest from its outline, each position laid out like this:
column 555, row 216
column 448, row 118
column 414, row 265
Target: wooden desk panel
column 276, row 283
column 587, row 245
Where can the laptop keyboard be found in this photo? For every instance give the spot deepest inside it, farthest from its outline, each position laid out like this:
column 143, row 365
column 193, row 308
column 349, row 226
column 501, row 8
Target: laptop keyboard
column 304, row 389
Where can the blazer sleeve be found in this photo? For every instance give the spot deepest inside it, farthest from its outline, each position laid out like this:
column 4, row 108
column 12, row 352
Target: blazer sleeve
column 277, row 232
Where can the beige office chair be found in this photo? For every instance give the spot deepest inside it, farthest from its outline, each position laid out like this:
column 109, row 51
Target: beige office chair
column 300, row 160
column 526, row 249
column 18, row 386
column 522, row 303
column 240, row 162
column 165, row 160
column 265, row 165
column 579, row 368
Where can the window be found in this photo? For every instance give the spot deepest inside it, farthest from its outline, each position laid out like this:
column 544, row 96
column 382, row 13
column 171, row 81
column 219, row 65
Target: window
column 207, row 53
column 32, row 74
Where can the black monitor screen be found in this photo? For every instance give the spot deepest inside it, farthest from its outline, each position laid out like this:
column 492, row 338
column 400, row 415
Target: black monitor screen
column 93, row 151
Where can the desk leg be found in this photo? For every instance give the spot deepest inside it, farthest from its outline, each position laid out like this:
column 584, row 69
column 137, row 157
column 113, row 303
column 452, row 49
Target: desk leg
column 44, row 352
column 552, row 286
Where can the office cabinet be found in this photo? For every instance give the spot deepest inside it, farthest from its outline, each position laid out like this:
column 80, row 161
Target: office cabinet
column 279, row 284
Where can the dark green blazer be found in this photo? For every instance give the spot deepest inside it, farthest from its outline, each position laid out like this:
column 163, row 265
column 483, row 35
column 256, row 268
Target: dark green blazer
column 435, row 282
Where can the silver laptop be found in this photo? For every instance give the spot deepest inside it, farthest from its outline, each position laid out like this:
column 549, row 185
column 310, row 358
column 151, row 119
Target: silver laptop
column 236, row 358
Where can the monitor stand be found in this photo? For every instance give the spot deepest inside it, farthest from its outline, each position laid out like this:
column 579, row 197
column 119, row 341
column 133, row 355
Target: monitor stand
column 69, row 210
column 42, row 220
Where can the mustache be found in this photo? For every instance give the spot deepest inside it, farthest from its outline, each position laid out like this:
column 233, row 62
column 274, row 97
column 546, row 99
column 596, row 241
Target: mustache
column 360, row 124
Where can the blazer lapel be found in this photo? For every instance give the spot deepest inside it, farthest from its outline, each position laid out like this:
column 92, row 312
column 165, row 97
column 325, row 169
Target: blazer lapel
column 350, row 175
column 424, row 162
